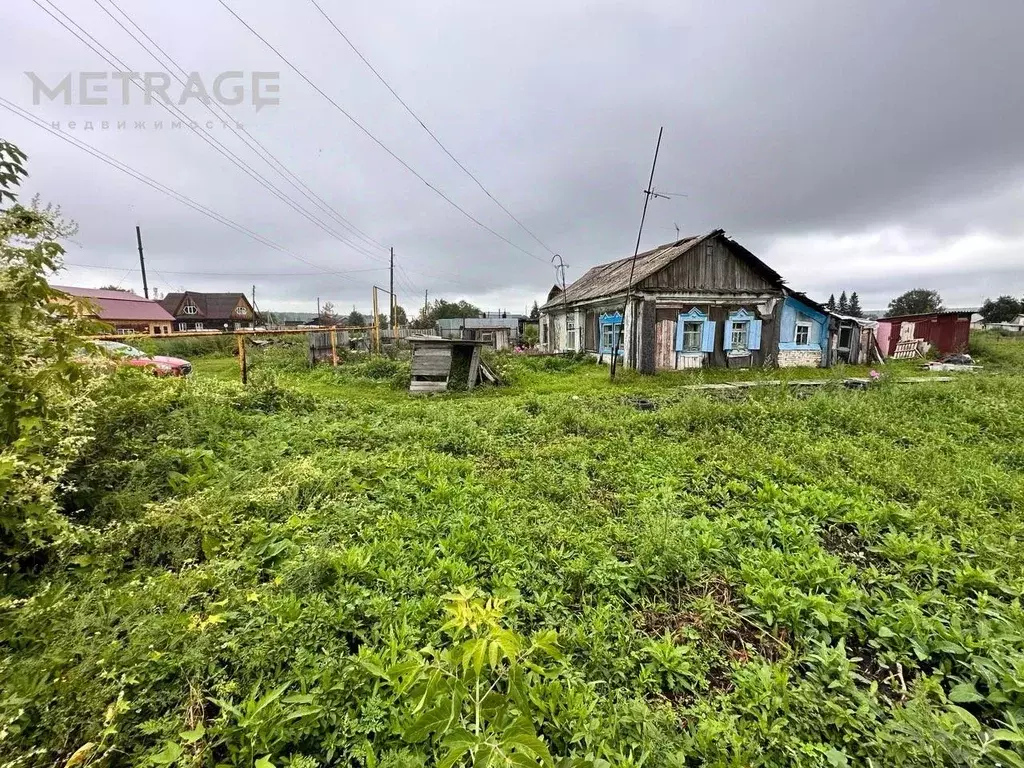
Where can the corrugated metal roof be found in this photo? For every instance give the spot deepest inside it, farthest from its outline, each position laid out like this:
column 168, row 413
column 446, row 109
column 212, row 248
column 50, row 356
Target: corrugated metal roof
column 118, row 305
column 613, row 278
column 943, row 313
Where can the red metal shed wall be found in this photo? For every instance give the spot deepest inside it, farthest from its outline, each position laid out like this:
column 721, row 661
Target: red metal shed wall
column 946, row 333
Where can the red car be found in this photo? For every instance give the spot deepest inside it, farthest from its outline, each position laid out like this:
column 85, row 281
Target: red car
column 161, row 365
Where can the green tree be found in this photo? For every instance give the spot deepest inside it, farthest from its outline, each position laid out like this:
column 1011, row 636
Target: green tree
column 441, row 310
column 1002, row 310
column 327, row 314
column 843, row 307
column 535, row 312
column 116, row 288
column 40, row 378
column 400, row 315
column 355, row 318
column 831, row 303
column 919, row 301
column 854, row 309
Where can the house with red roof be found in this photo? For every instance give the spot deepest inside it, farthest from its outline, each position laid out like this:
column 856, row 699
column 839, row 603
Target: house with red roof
column 126, row 312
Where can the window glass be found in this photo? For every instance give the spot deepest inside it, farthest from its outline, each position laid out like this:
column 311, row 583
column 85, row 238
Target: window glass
column 608, row 331
column 692, row 332
column 803, row 333
column 740, row 333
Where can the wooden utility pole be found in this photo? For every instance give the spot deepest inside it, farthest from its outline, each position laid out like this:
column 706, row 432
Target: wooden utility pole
column 241, row 359
column 636, row 251
column 318, row 310
column 142, row 261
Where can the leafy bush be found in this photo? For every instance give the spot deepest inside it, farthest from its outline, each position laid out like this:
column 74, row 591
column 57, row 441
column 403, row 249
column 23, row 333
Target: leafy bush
column 43, row 387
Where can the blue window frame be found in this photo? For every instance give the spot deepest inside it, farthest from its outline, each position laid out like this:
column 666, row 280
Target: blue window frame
column 610, row 326
column 742, row 332
column 695, row 334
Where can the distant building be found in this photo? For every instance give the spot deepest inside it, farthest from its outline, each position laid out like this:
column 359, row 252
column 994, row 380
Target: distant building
column 1013, row 326
column 126, row 312
column 194, row 311
column 499, row 330
column 287, row 319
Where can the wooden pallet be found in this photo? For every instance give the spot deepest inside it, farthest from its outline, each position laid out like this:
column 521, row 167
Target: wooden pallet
column 907, row 349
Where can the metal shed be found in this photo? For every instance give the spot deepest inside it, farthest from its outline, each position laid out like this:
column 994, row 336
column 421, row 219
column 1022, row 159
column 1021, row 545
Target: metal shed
column 945, row 331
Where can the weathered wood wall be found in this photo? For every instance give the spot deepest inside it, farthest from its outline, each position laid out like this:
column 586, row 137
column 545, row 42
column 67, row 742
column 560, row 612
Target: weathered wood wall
column 666, row 357
column 431, row 360
column 720, row 271
column 590, row 331
column 646, row 336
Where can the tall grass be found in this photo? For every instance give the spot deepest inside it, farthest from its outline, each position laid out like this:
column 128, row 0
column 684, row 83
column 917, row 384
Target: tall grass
column 776, row 578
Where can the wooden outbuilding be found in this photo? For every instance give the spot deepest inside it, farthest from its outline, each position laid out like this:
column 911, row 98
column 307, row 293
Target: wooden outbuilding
column 854, row 341
column 440, row 364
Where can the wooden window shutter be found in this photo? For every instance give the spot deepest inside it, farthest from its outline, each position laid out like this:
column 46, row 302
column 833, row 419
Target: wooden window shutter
column 708, row 337
column 754, row 337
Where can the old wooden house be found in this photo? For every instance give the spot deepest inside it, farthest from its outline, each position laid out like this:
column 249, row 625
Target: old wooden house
column 700, row 301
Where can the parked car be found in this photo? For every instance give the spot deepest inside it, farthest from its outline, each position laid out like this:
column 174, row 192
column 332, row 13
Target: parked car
column 161, row 365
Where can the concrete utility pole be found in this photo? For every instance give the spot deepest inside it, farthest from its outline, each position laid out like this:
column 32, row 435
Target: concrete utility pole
column 142, row 262
column 391, row 315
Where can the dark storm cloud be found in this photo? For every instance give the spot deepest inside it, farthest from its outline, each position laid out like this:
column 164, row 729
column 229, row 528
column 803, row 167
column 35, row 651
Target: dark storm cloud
column 870, row 146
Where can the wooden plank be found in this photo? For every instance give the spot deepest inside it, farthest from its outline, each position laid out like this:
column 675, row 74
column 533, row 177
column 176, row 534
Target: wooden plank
column 488, row 374
column 428, row 368
column 474, row 368
column 432, row 352
column 423, row 387
column 646, row 337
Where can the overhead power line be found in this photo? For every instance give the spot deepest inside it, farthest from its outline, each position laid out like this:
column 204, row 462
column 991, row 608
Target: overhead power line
column 430, row 133
column 247, row 137
column 139, row 176
column 236, row 273
column 100, row 50
column 377, row 141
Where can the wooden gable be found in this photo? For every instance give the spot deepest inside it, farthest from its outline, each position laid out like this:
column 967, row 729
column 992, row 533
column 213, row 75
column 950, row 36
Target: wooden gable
column 244, row 305
column 714, row 265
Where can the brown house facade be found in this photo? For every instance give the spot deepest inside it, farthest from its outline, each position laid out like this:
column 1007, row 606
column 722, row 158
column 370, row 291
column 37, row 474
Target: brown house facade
column 194, row 311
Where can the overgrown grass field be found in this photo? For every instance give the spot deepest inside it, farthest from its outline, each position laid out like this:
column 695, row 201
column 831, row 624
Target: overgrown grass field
column 318, row 570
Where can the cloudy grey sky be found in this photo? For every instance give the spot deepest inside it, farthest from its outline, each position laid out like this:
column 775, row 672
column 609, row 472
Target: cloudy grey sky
column 874, row 146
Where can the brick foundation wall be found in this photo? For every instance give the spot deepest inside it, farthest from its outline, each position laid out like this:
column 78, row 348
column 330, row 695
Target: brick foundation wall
column 799, row 358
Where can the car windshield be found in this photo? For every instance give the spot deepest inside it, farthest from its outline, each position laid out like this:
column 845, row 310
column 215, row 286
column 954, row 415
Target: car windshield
column 118, row 349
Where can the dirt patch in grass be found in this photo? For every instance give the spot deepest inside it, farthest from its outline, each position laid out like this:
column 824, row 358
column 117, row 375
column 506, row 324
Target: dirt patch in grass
column 713, row 611
column 845, row 542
